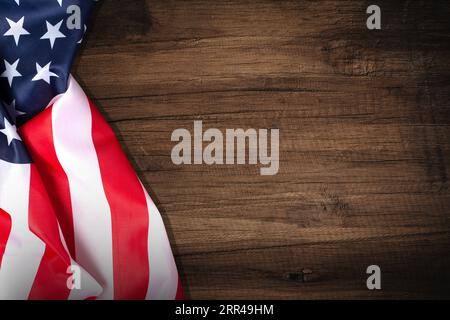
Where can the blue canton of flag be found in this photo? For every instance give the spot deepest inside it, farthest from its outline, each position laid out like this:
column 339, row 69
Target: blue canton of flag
column 12, row 148
column 38, row 41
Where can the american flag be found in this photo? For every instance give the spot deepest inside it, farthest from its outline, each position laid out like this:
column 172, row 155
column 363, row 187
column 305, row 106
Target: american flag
column 75, row 220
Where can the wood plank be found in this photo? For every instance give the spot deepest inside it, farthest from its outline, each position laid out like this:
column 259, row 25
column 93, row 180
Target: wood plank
column 364, row 121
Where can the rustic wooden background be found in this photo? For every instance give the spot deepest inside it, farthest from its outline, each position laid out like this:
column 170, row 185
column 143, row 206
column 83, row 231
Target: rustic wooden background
column 365, row 139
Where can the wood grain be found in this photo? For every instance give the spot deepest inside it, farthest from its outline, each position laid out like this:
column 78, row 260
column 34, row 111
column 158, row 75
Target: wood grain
column 364, row 122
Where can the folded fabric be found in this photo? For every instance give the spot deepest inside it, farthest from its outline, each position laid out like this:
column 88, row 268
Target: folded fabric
column 75, row 220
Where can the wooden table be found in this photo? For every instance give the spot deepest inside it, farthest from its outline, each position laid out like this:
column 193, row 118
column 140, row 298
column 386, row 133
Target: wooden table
column 364, row 139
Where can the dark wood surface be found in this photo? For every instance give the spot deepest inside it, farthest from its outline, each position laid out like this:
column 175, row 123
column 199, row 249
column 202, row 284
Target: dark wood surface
column 365, row 139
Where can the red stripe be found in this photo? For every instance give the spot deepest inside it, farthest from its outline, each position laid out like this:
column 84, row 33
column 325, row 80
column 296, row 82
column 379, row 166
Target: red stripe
column 180, row 293
column 51, row 278
column 5, row 227
column 129, row 213
column 38, row 137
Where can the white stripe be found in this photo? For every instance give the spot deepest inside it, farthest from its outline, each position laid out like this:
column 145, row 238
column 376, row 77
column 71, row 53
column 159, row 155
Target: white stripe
column 72, row 135
column 163, row 271
column 24, row 250
column 88, row 286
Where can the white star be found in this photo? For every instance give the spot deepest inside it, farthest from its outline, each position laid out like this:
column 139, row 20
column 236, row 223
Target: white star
column 18, row 2
column 53, row 33
column 12, row 110
column 60, row 2
column 16, row 29
column 11, row 71
column 10, row 132
column 44, row 73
